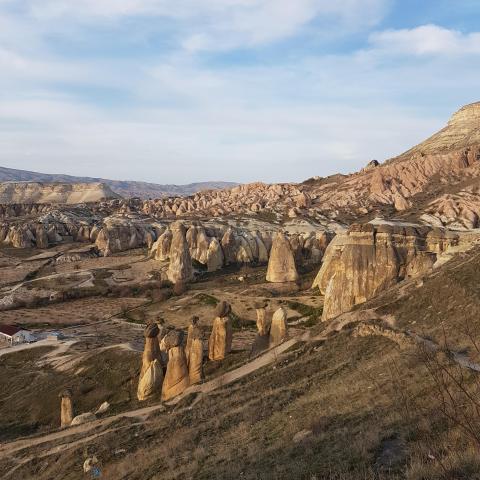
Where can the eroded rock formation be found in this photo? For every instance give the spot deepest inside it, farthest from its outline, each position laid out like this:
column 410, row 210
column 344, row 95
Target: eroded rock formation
column 151, row 374
column 177, row 377
column 220, row 342
column 278, row 329
column 180, row 268
column 66, row 408
column 368, row 259
column 281, row 264
column 262, row 339
column 194, row 352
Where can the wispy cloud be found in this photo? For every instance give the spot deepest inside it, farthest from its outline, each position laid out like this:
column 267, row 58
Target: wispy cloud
column 427, row 40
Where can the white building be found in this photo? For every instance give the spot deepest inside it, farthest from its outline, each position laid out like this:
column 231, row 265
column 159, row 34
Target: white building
column 15, row 335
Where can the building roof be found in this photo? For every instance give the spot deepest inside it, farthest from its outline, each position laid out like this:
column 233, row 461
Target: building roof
column 9, row 330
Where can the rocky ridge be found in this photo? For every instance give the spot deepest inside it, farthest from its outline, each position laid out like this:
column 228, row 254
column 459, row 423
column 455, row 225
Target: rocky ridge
column 63, row 193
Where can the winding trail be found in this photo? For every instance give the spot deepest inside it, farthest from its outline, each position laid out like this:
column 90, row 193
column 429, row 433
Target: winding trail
column 271, row 356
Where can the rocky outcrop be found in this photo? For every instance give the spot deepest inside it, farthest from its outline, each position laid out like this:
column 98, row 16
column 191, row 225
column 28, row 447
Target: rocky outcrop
column 281, row 264
column 66, row 408
column 119, row 234
column 161, row 248
column 368, row 259
column 83, row 418
column 194, row 352
column 64, row 193
column 220, row 342
column 180, row 267
column 262, row 339
column 176, row 379
column 278, row 329
column 151, row 373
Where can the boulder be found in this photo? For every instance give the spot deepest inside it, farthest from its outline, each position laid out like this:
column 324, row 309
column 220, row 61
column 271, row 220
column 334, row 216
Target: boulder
column 83, row 418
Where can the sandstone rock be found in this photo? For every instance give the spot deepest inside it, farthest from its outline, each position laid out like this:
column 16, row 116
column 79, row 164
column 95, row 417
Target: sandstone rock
column 102, row 408
column 66, row 408
column 281, row 265
column 368, row 259
column 41, row 238
column 220, row 342
column 151, row 350
column 150, row 383
column 195, row 354
column 198, row 243
column 44, row 192
column 278, row 329
column 262, row 339
column 177, row 377
column 215, row 258
column 83, row 418
column 180, row 267
column 192, row 327
column 151, row 374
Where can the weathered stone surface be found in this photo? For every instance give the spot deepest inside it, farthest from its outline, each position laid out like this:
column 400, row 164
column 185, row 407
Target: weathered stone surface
column 195, row 361
column 177, row 377
column 278, row 329
column 368, row 259
column 161, row 248
column 215, row 257
column 262, row 339
column 180, row 267
column 220, row 342
column 65, row 193
column 191, row 332
column 66, row 408
column 83, row 418
column 150, row 383
column 151, row 374
column 281, row 265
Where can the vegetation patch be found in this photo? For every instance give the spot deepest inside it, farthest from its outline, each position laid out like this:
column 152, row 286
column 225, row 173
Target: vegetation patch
column 313, row 314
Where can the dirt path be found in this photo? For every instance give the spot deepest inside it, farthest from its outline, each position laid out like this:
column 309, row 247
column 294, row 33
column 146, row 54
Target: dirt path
column 269, row 357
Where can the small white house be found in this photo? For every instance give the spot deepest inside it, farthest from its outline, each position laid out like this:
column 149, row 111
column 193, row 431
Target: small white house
column 15, row 335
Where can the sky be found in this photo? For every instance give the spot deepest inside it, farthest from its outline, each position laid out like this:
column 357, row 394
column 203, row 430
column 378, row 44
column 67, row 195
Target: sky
column 180, row 91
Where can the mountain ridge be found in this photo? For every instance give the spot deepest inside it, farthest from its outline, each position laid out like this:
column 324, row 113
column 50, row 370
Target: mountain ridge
column 124, row 188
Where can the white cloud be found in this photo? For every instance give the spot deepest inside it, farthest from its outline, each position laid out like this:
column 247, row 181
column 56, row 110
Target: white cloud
column 220, row 24
column 426, row 40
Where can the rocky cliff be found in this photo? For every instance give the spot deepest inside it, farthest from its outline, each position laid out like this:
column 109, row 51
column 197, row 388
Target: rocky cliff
column 368, row 259
column 51, row 193
column 125, row 188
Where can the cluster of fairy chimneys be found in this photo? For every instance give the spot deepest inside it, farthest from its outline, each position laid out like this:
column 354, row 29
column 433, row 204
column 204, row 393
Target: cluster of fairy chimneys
column 281, row 261
column 170, row 366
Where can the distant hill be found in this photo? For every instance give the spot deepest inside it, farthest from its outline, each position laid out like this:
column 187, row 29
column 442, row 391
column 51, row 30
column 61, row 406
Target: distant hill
column 124, row 188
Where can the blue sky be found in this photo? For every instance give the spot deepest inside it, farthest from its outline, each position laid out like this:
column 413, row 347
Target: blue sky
column 243, row 90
